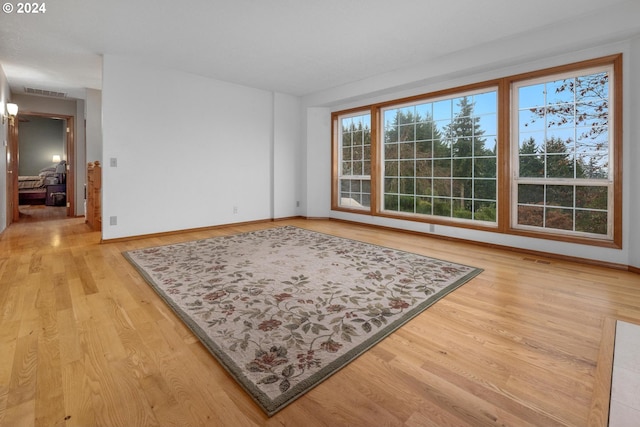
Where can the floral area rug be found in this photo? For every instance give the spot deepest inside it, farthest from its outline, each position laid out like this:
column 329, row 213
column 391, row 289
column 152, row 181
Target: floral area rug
column 284, row 308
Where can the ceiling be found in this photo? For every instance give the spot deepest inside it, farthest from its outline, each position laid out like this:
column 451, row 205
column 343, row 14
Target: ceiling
column 297, row 47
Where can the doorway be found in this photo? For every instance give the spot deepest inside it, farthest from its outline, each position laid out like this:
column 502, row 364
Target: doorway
column 44, row 147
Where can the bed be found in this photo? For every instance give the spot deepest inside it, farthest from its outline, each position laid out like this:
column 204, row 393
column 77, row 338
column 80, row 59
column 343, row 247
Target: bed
column 32, row 189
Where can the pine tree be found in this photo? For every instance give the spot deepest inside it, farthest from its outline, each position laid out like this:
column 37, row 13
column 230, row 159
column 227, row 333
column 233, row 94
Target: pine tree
column 531, row 163
column 464, row 135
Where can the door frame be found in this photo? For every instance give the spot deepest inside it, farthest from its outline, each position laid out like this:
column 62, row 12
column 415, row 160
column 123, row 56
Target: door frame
column 70, row 179
column 13, row 211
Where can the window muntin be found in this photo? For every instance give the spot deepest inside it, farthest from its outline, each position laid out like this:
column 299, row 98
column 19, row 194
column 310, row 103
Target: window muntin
column 439, row 157
column 563, row 148
column 354, row 152
column 576, row 200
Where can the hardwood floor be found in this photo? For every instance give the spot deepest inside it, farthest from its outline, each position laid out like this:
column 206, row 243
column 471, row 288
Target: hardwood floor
column 84, row 341
column 36, row 213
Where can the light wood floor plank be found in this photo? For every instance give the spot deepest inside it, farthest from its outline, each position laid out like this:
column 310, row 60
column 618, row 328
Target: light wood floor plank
column 85, row 341
column 77, row 395
column 599, row 410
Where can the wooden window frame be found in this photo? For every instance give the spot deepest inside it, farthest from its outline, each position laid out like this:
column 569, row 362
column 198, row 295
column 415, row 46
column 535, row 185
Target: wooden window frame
column 504, row 158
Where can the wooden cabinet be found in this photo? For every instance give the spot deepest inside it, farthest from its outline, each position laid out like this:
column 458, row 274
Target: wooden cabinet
column 94, row 196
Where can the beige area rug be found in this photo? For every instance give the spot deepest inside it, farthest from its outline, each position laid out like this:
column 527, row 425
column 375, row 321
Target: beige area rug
column 284, row 308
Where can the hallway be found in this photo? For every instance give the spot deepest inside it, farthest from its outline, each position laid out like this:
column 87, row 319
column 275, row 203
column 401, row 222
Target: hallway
column 35, row 213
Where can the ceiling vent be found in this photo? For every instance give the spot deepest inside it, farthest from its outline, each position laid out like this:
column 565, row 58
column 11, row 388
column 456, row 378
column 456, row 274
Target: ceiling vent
column 42, row 92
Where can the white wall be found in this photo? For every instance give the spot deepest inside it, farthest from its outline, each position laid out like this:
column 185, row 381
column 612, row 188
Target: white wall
column 493, row 61
column 93, row 130
column 189, row 150
column 93, row 113
column 318, row 163
column 4, row 140
column 287, row 167
column 632, row 187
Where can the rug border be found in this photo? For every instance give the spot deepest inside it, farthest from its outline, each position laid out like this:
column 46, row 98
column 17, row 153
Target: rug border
column 272, row 406
column 232, row 368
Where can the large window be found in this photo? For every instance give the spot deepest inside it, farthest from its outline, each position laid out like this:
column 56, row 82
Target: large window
column 354, row 163
column 439, row 157
column 562, row 140
column 536, row 154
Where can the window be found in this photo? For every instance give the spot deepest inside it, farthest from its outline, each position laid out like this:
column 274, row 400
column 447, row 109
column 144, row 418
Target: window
column 536, row 154
column 354, row 141
column 439, row 157
column 563, row 150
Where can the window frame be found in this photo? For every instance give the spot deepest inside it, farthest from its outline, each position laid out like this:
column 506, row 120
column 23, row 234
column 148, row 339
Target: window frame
column 614, row 207
column 449, row 96
column 336, row 158
column 504, row 155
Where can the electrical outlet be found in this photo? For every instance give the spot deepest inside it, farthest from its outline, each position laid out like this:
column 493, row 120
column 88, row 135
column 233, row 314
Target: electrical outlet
column 113, row 162
column 113, row 220
column 297, row 203
column 235, row 209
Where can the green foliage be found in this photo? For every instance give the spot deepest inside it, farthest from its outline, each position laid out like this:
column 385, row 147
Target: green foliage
column 423, row 207
column 462, row 213
column 486, row 213
column 391, row 202
column 408, row 126
column 407, row 204
column 531, row 162
column 442, row 207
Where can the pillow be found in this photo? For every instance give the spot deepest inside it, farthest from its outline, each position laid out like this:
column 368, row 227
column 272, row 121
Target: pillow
column 49, row 170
